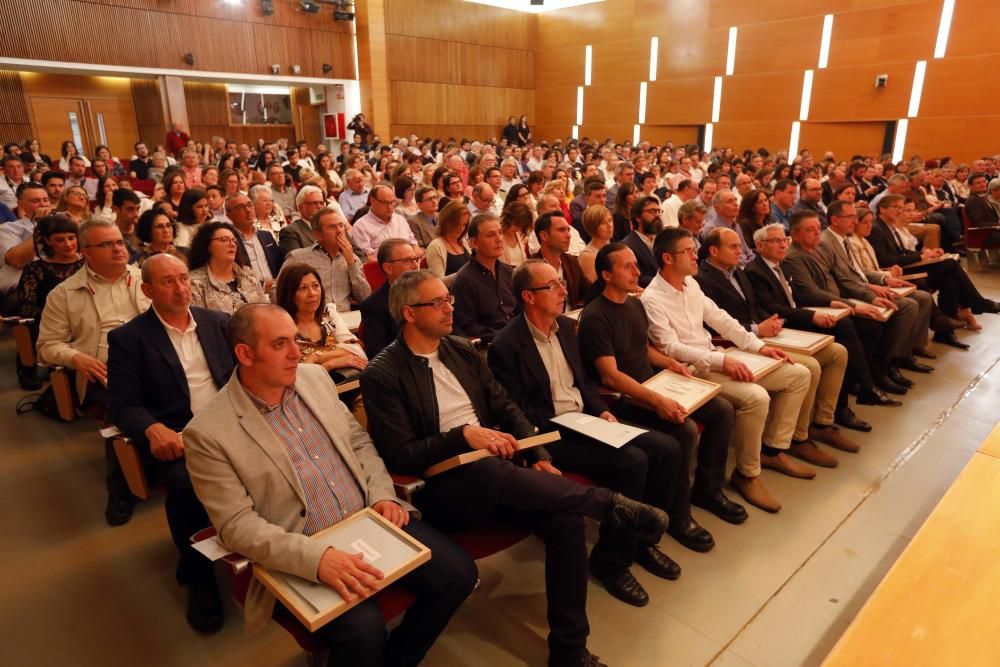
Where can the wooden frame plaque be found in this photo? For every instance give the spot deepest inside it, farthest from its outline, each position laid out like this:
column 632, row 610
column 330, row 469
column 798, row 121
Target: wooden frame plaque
column 690, row 392
column 800, row 342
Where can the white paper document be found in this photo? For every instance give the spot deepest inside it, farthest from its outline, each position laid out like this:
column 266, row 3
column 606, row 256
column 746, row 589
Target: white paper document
column 610, row 433
column 352, row 318
column 109, row 432
column 212, row 548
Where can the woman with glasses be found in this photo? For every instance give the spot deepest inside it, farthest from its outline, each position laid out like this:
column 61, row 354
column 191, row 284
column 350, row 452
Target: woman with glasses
column 406, row 191
column 218, row 280
column 156, row 231
column 74, row 204
column 449, row 252
column 323, row 336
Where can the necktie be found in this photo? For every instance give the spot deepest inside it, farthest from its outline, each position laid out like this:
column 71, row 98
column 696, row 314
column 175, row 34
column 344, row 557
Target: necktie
column 898, row 238
column 784, row 285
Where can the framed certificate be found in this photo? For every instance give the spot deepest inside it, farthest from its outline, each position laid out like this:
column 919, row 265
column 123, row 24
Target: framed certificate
column 758, row 364
column 837, row 313
column 904, row 291
column 366, row 532
column 690, row 392
column 884, row 312
column 475, row 455
column 913, row 276
column 801, row 342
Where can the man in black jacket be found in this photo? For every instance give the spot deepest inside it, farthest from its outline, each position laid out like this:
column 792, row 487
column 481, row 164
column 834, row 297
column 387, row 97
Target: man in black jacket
column 429, row 397
column 646, row 224
column 395, row 257
column 537, row 360
column 163, row 366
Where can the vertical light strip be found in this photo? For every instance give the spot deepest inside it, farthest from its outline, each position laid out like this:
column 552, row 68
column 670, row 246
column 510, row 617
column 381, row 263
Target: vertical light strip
column 899, row 143
column 918, row 88
column 654, row 55
column 793, row 141
column 576, row 132
column 731, row 52
column 642, row 102
column 709, row 131
column 944, row 28
column 579, row 105
column 635, row 135
column 824, row 44
column 807, row 88
column 717, row 99
column 588, row 60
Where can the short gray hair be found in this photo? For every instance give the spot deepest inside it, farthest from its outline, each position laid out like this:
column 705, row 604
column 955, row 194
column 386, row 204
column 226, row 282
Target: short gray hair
column 689, row 208
column 404, row 291
column 993, row 185
column 306, row 190
column 760, row 235
column 92, row 223
column 240, row 328
column 722, row 194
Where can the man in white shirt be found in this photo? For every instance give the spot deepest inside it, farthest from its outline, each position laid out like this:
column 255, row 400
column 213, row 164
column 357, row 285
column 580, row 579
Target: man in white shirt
column 685, row 191
column 678, row 312
column 13, row 176
column 259, row 246
column 355, row 195
column 17, row 245
column 508, row 171
column 381, row 223
column 482, row 200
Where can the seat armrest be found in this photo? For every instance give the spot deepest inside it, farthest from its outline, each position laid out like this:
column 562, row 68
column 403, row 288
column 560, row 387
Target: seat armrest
column 238, row 563
column 407, row 486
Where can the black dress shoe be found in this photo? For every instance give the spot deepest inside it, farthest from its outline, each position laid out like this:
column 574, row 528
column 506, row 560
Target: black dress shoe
column 986, row 306
column 912, row 364
column 646, row 522
column 29, row 381
column 925, row 352
column 656, row 562
column 876, row 397
column 897, row 377
column 720, row 506
column 587, row 659
column 118, row 511
column 848, row 419
column 949, row 339
column 621, row 584
column 888, row 386
column 690, row 534
column 204, row 609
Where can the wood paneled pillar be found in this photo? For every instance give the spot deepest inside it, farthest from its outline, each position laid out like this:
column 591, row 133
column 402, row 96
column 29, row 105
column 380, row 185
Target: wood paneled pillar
column 174, row 101
column 373, row 72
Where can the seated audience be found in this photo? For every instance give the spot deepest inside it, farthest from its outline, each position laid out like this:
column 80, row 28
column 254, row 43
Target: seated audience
column 686, row 191
column 553, row 232
column 258, row 513
column 381, row 223
column 755, row 211
column 517, row 228
column 164, row 366
column 13, row 178
column 484, row 296
column 155, row 231
column 355, row 194
column 724, row 213
column 73, row 204
column 333, row 258
column 125, row 210
column 983, row 205
column 299, row 233
column 324, row 337
column 646, row 224
column 218, row 280
column 395, row 257
column 192, row 214
column 449, row 251
column 267, row 216
column 283, row 194
column 678, row 313
column 599, row 225
column 430, row 396
column 17, row 242
column 811, row 199
column 627, row 194
column 424, row 222
column 76, row 320
column 258, row 248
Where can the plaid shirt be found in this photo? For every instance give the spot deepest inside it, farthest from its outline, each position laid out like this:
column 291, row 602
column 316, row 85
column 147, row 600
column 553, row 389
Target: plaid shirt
column 332, row 493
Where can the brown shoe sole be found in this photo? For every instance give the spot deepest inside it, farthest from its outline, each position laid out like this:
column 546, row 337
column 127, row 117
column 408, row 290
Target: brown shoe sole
column 785, row 470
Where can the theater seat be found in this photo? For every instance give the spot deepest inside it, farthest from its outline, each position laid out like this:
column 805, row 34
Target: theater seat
column 975, row 240
column 373, row 274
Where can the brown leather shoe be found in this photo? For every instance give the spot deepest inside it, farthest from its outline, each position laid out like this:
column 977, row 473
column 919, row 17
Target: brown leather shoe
column 833, row 437
column 925, row 351
column 754, row 492
column 786, row 465
column 810, row 453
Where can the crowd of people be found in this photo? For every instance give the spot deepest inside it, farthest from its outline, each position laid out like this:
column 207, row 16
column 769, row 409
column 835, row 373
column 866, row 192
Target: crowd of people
column 198, row 292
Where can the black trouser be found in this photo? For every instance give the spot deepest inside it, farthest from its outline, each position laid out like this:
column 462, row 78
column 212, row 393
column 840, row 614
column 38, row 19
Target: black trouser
column 955, row 288
column 645, row 469
column 185, row 517
column 876, row 342
column 358, row 637
column 716, row 418
column 550, row 505
column 846, row 333
column 951, row 226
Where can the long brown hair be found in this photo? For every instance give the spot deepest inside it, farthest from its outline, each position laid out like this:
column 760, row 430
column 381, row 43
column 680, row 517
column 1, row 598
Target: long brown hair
column 288, row 284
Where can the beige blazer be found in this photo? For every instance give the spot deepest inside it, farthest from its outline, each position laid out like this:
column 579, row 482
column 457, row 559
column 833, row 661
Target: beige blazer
column 247, row 482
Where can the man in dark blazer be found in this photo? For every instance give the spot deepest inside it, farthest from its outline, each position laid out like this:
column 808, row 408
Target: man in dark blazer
column 240, row 211
column 646, row 224
column 774, row 295
column 163, row 366
column 553, row 233
column 537, row 360
column 395, row 257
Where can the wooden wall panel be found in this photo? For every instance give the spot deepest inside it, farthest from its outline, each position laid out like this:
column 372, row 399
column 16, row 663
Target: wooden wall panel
column 963, row 139
column 661, row 134
column 679, row 102
column 556, row 106
column 611, row 103
column 208, row 115
column 222, row 38
column 900, row 33
column 552, row 132
column 974, row 28
column 307, row 118
column 602, row 131
column 415, row 103
column 445, row 132
column 773, row 135
column 700, row 53
column 761, row 97
column 618, row 61
column 455, row 21
column 960, row 87
column 737, row 12
column 849, row 93
column 844, row 139
column 778, row 46
column 148, row 111
column 420, row 59
column 15, row 119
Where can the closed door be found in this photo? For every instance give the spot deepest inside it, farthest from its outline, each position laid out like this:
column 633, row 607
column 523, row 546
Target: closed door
column 58, row 119
column 113, row 123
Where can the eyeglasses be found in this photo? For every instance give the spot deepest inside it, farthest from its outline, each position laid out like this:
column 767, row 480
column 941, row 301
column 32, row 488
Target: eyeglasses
column 654, row 211
column 240, row 207
column 685, row 251
column 403, row 260
column 437, row 304
column 783, row 241
column 391, row 202
column 228, row 240
column 549, row 287
column 108, row 245
column 312, row 203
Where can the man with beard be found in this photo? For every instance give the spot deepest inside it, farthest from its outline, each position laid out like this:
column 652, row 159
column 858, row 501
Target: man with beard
column 646, row 224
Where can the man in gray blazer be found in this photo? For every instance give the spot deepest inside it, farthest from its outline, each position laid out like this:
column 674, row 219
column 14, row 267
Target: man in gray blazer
column 276, row 457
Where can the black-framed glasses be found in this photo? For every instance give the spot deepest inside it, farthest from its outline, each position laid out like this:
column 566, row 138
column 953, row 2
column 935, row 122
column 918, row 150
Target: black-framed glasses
column 437, row 303
column 403, row 260
column 549, row 286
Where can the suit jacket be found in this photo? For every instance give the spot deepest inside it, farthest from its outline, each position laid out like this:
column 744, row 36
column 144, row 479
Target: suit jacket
column 812, row 281
column 980, row 213
column 514, row 359
column 247, row 482
column 378, row 329
column 145, row 377
column 421, row 228
column 716, row 286
column 296, row 235
column 272, row 252
column 577, row 284
column 648, row 266
column 850, row 283
column 576, row 209
column 887, row 249
column 771, row 297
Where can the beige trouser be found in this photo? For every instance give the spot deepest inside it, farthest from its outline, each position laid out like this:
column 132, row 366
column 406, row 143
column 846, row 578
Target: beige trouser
column 755, row 423
column 928, row 233
column 826, row 371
